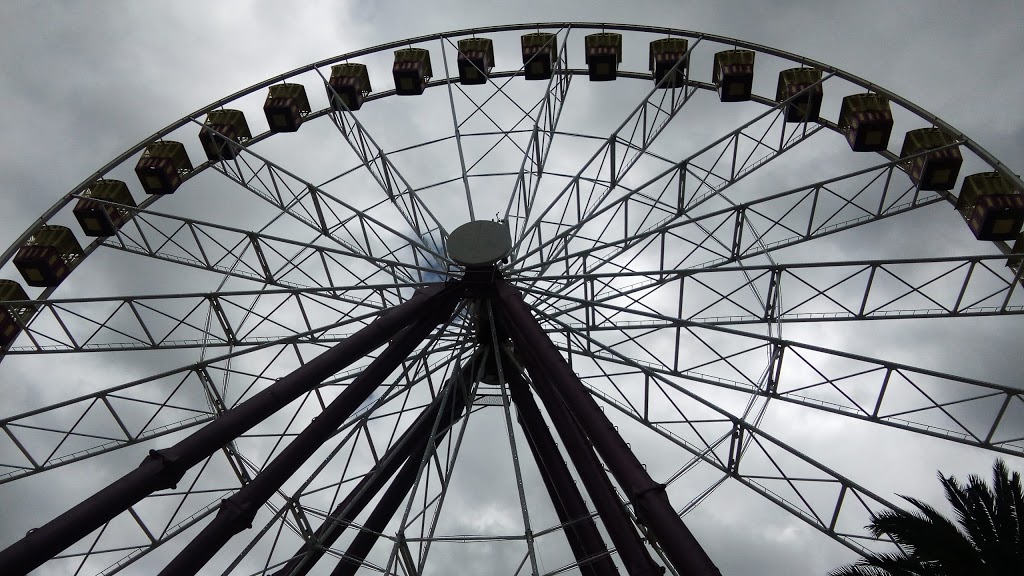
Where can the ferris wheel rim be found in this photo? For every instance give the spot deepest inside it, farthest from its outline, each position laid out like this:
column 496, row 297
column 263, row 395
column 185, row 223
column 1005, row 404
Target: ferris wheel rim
column 194, row 116
column 792, row 57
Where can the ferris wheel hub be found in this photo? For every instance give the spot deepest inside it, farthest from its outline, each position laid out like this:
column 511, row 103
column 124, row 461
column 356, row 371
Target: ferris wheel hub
column 480, row 243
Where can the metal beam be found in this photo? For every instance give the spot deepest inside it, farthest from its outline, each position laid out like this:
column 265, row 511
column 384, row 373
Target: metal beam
column 432, row 431
column 671, row 200
column 408, row 203
column 534, row 164
column 237, row 512
column 648, row 497
column 164, row 468
column 645, row 126
column 813, row 473
column 223, row 249
column 580, row 530
column 152, row 322
column 449, row 403
column 930, row 397
column 828, row 292
column 803, row 218
column 635, row 556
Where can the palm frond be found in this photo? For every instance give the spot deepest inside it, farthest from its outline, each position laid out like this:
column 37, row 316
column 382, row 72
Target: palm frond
column 987, row 538
column 1008, row 514
column 1018, row 502
column 1007, row 554
column 982, row 503
column 883, row 565
column 929, row 537
column 960, row 498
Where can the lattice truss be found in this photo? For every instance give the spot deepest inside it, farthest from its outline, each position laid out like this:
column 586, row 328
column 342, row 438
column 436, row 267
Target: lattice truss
column 662, row 259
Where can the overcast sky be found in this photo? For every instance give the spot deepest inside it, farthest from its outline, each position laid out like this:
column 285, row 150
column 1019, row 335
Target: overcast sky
column 81, row 83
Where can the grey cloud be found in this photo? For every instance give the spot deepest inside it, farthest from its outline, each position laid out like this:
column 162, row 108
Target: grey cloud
column 88, row 83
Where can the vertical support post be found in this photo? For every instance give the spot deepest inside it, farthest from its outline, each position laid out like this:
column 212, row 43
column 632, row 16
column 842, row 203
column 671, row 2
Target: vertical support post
column 648, row 497
column 581, row 531
column 237, row 512
column 404, row 480
column 162, row 469
column 631, row 549
column 450, row 405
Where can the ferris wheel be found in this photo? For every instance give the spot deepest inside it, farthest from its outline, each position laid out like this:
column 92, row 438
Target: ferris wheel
column 524, row 299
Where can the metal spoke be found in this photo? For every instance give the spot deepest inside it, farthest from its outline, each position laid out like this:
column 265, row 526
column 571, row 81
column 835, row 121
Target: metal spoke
column 535, row 160
column 824, row 518
column 457, row 131
column 571, row 194
column 653, row 264
column 674, row 199
column 267, row 259
column 923, row 393
column 804, row 218
column 333, row 218
column 162, row 396
column 242, row 318
column 352, row 233
column 828, row 292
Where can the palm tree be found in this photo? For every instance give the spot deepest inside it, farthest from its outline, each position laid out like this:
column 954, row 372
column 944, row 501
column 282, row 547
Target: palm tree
column 988, row 542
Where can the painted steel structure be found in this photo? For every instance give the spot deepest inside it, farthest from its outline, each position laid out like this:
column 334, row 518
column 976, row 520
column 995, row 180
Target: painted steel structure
column 600, row 262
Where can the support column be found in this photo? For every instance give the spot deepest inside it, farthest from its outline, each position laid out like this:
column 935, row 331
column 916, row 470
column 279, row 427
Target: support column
column 584, row 539
column 398, row 490
column 648, row 497
column 162, row 469
column 237, row 512
column 634, row 554
column 450, row 405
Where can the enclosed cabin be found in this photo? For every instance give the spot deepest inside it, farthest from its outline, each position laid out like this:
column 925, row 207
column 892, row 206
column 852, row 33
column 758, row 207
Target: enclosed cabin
column 412, row 71
column 733, row 73
column 286, row 107
column 49, row 256
column 348, row 87
column 162, row 166
column 804, row 86
column 939, row 168
column 866, row 120
column 96, row 216
column 540, row 53
column 476, row 59
column 669, row 62
column 993, row 209
column 222, row 133
column 15, row 311
column 604, row 54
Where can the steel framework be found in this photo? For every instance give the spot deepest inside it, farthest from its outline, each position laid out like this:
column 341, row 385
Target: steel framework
column 634, row 333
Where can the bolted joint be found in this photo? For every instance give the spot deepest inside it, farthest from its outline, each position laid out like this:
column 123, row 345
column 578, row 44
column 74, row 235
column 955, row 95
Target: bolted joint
column 236, row 513
column 646, row 499
column 169, row 469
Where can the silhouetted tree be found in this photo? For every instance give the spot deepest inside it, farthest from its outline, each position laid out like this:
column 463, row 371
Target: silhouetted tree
column 989, row 540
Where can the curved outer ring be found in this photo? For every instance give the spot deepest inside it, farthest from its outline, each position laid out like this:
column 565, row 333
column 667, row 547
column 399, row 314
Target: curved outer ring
column 194, row 116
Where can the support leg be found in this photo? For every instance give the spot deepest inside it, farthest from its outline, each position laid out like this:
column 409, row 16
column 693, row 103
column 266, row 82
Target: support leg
column 648, row 497
column 237, row 512
column 162, row 469
column 411, row 443
column 634, row 554
column 402, row 484
column 581, row 531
